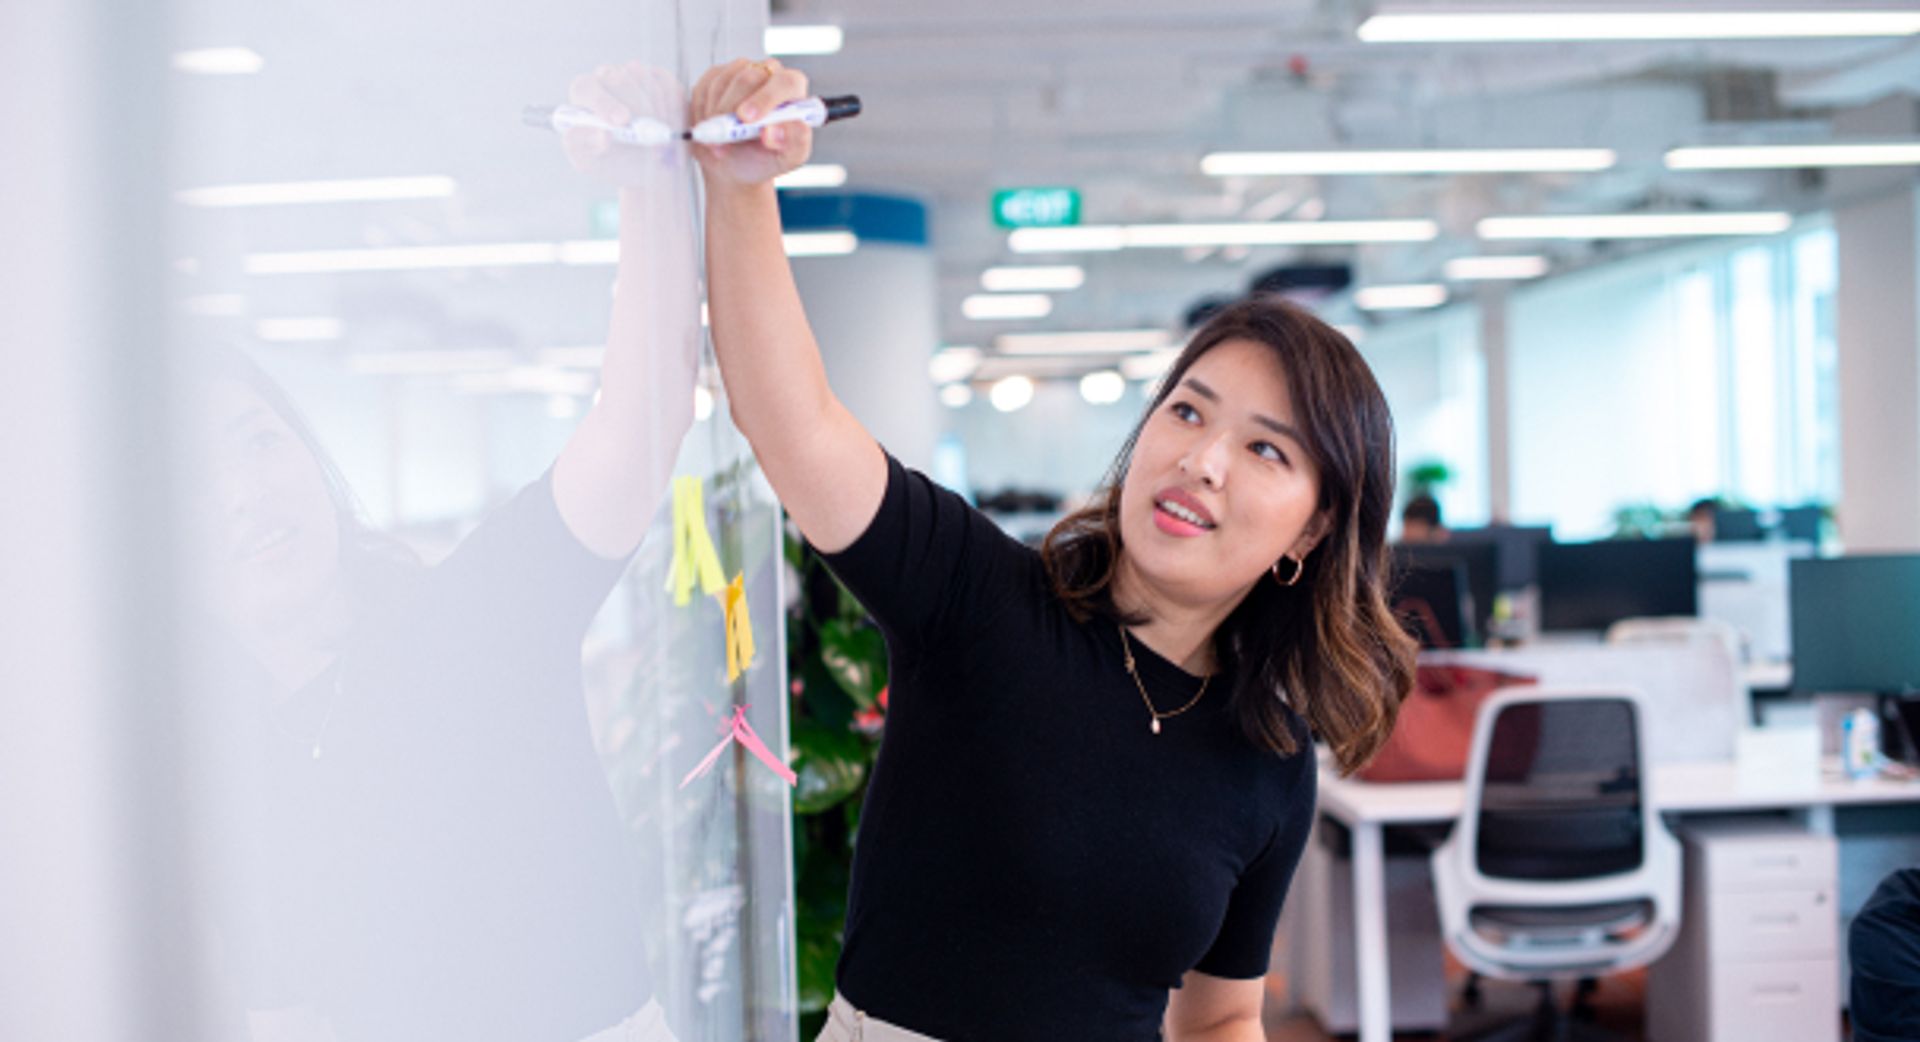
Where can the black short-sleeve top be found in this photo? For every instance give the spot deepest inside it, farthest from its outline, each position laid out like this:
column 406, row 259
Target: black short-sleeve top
column 1033, row 862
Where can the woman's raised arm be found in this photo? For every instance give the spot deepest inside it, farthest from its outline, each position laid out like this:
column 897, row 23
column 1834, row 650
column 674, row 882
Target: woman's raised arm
column 827, row 470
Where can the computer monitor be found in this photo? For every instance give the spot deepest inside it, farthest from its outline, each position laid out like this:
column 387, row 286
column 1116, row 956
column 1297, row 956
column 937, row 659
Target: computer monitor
column 1482, row 569
column 1590, row 586
column 1856, row 623
column 1732, row 525
column 1802, row 524
column 1516, row 548
column 1430, row 600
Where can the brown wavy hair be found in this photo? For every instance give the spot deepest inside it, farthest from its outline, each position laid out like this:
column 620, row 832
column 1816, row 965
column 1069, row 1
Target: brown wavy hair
column 1328, row 646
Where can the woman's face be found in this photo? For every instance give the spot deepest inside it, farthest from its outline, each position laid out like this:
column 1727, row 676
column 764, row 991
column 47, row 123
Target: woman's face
column 269, row 527
column 1220, row 484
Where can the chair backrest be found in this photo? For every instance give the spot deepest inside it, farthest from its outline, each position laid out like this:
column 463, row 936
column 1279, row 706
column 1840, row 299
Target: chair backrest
column 1558, row 818
column 1683, row 629
column 1715, row 637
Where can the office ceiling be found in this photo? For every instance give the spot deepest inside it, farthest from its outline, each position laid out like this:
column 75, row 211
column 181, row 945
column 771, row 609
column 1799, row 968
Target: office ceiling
column 1117, row 98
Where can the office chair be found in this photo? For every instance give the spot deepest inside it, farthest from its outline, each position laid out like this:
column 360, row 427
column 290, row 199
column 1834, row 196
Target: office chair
column 1560, row 868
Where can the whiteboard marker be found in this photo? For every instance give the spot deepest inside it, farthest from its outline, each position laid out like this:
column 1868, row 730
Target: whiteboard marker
column 814, row 112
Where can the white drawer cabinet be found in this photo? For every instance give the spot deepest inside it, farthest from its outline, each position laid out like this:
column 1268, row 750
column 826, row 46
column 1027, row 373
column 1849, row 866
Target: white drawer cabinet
column 1757, row 958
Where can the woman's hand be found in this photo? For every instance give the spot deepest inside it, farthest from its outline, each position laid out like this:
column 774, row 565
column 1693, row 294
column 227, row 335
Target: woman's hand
column 750, row 90
column 621, row 94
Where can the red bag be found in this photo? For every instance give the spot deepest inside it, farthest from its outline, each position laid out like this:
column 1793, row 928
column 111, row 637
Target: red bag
column 1434, row 734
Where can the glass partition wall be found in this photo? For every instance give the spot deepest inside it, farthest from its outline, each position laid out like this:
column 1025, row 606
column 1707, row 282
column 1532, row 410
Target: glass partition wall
column 432, row 750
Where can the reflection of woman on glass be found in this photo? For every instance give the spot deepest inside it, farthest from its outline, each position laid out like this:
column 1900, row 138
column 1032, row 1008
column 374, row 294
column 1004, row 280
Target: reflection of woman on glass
column 423, row 843
column 1096, row 777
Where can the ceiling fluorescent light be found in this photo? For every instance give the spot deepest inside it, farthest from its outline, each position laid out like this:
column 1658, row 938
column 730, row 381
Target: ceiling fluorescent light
column 1113, row 342
column 403, row 258
column 495, row 255
column 427, row 363
column 1079, row 239
column 1279, row 233
column 820, row 244
column 590, row 251
column 1149, row 366
column 219, row 61
column 215, row 305
column 950, row 364
column 1257, row 233
column 285, row 193
column 804, row 39
column 1400, row 298
column 798, row 244
column 1634, row 226
column 1482, row 269
column 584, row 356
column 297, row 330
column 1544, row 25
column 525, row 379
column 1103, row 387
column 813, row 175
column 1012, row 393
column 989, row 306
column 1424, row 161
column 1790, row 157
column 956, row 396
column 1055, row 278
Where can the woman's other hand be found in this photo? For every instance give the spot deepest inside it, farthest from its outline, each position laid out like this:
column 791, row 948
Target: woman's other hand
column 621, row 94
column 749, row 90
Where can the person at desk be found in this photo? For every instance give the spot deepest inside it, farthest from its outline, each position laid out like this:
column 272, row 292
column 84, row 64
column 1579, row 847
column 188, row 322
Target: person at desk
column 1097, row 773
column 1420, row 521
column 1700, row 518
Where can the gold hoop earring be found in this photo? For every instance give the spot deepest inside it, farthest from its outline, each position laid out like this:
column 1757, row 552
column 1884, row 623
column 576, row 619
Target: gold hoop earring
column 1299, row 567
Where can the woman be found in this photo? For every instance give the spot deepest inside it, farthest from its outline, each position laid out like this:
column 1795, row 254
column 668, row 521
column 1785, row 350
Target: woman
column 417, row 835
column 1096, row 777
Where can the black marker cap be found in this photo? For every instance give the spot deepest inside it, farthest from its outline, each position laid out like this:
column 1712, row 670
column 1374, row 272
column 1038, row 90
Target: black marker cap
column 846, row 106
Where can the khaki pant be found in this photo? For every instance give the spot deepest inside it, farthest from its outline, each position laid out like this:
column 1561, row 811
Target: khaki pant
column 847, row 1024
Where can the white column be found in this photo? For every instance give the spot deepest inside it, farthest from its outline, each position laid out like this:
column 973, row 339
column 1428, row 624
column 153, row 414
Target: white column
column 875, row 313
column 1875, row 219
column 1499, row 414
column 88, row 873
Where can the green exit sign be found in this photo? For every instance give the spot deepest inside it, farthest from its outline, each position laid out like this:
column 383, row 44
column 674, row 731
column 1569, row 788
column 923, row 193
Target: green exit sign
column 1036, row 207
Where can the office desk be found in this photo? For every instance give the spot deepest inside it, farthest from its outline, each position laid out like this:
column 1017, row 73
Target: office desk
column 1701, row 788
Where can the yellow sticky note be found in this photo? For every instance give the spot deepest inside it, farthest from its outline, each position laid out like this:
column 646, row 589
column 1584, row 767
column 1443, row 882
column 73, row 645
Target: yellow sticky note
column 739, row 629
column 694, row 559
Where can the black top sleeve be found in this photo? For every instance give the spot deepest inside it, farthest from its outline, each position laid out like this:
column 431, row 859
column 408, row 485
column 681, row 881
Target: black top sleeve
column 1884, row 942
column 522, row 576
column 929, row 567
column 1244, row 945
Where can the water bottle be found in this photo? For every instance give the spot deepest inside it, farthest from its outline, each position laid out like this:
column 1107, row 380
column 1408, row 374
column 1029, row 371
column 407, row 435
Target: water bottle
column 1860, row 743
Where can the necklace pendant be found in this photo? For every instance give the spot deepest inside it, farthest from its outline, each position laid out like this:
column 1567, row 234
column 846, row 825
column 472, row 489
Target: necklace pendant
column 1156, row 725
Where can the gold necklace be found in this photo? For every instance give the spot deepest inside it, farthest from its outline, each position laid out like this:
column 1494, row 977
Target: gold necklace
column 1158, row 716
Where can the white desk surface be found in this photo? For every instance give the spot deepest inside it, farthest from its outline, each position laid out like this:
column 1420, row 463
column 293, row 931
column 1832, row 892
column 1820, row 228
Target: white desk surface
column 1692, row 787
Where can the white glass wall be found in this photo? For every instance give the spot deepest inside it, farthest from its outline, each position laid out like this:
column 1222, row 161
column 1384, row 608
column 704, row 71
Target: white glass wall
column 367, row 709
column 1705, row 371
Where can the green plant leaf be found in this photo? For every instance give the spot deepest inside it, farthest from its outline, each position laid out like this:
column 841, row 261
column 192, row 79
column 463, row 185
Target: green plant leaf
column 856, row 655
column 1429, row 473
column 824, row 699
column 831, row 765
